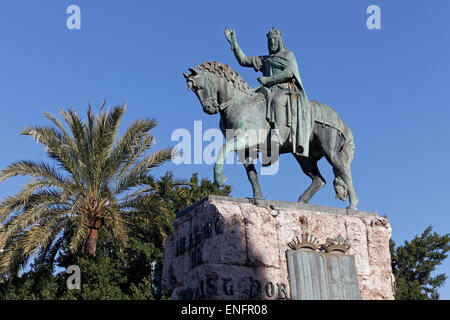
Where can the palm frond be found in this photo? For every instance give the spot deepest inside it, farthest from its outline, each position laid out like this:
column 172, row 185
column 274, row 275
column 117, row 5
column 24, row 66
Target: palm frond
column 34, row 169
column 129, row 147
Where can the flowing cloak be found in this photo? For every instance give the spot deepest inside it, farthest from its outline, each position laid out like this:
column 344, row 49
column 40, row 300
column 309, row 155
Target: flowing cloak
column 302, row 128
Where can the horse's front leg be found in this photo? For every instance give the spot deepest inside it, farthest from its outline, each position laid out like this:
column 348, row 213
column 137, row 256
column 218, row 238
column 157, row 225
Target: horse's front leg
column 219, row 177
column 237, row 143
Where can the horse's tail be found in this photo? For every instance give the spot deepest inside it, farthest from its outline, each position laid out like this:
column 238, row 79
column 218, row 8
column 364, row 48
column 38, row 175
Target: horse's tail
column 346, row 155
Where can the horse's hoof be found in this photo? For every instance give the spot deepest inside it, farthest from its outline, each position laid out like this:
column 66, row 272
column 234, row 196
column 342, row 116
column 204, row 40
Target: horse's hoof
column 301, row 200
column 220, row 179
column 352, row 207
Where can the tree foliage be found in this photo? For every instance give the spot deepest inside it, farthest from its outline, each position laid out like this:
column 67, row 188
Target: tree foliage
column 115, row 274
column 414, row 262
column 85, row 188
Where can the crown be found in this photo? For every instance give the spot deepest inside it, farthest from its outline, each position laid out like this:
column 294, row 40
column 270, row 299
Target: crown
column 274, row 33
column 338, row 244
column 307, row 241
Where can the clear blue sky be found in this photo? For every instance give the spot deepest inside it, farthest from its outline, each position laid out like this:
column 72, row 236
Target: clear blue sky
column 391, row 86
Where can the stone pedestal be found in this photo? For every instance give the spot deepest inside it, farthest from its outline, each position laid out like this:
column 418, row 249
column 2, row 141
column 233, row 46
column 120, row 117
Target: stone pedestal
column 232, row 248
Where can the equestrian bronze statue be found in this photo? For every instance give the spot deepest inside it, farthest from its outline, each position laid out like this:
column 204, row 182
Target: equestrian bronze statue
column 281, row 114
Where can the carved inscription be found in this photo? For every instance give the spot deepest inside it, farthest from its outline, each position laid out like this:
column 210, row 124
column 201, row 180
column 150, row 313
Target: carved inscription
column 214, row 285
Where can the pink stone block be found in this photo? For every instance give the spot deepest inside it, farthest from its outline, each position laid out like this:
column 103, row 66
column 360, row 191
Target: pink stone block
column 250, row 247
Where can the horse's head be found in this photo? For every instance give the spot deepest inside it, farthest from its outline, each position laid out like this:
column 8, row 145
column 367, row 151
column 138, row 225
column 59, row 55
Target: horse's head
column 205, row 86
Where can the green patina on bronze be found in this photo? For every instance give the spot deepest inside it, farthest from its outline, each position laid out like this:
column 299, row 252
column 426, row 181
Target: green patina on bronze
column 279, row 108
column 285, row 89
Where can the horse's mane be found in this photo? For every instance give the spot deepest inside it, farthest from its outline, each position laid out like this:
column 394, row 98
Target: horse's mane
column 226, row 72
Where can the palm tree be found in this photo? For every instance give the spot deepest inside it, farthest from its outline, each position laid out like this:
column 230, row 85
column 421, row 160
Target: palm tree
column 87, row 187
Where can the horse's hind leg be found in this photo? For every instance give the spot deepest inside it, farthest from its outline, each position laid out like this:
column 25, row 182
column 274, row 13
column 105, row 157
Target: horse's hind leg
column 309, row 167
column 253, row 178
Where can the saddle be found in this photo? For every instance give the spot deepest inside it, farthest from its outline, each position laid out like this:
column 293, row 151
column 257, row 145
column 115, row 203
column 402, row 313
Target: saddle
column 320, row 112
column 326, row 115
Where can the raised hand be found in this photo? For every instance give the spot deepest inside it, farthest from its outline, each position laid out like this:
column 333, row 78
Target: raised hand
column 231, row 37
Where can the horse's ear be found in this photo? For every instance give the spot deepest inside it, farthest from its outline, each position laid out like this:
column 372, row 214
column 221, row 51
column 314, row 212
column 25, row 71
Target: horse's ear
column 193, row 71
column 186, row 75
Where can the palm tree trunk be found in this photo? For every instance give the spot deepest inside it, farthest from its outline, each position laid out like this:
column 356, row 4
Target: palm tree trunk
column 92, row 235
column 91, row 241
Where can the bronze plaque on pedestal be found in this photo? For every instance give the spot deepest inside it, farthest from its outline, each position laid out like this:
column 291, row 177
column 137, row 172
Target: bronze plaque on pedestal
column 322, row 276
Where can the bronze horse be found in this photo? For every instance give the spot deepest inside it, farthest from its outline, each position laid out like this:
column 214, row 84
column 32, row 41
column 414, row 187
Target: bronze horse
column 221, row 89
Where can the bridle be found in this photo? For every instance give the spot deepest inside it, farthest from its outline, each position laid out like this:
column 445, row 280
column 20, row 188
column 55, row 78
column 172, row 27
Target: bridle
column 213, row 97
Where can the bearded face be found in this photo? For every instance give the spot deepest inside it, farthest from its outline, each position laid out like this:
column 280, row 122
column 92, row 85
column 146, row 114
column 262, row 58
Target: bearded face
column 274, row 44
